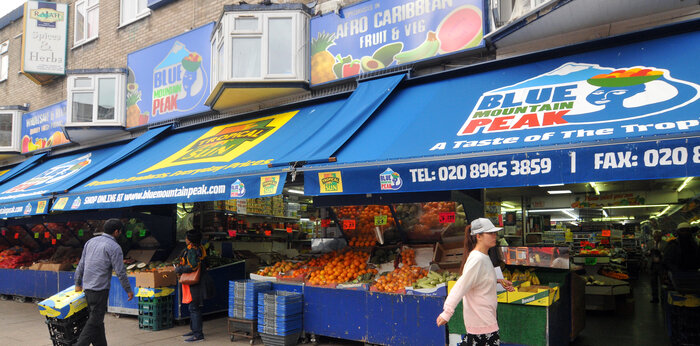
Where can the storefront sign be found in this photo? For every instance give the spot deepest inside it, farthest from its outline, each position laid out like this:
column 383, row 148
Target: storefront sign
column 43, row 128
column 374, row 35
column 44, row 39
column 169, row 79
column 23, row 208
column 331, row 182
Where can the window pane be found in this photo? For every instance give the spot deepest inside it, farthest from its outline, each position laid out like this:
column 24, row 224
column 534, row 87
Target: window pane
column 79, row 22
column 5, row 130
column 82, row 107
column 214, row 62
column 142, row 6
column 222, row 74
column 247, row 24
column 82, row 82
column 93, row 22
column 280, row 46
column 245, row 59
column 4, row 66
column 92, row 2
column 105, row 98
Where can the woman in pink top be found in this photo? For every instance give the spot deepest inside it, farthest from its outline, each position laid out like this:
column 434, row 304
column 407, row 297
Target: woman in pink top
column 477, row 287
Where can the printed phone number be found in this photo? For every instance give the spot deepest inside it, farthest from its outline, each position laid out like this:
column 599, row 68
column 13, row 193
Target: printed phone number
column 677, row 156
column 483, row 170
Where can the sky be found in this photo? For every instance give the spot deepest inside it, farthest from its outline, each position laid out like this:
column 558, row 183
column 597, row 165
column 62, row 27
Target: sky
column 6, row 6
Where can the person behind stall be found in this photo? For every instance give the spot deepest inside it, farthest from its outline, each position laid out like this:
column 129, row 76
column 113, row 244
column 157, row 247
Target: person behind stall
column 191, row 259
column 476, row 288
column 656, row 250
column 101, row 256
column 682, row 254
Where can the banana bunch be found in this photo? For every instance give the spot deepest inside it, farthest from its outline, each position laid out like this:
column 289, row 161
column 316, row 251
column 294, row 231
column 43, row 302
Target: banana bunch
column 517, row 275
column 534, row 280
column 433, row 279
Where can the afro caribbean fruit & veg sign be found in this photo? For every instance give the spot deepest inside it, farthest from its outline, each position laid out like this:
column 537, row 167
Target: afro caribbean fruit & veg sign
column 169, row 79
column 374, row 35
column 43, row 128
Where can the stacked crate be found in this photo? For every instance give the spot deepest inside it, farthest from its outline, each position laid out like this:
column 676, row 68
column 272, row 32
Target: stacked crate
column 243, row 298
column 65, row 331
column 156, row 313
column 280, row 317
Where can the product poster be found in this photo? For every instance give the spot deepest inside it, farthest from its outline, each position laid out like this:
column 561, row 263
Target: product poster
column 375, row 35
column 169, row 79
column 44, row 128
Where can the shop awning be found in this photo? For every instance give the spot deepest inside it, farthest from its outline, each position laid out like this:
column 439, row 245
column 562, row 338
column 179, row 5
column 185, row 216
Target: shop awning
column 28, row 193
column 23, row 166
column 618, row 113
column 242, row 159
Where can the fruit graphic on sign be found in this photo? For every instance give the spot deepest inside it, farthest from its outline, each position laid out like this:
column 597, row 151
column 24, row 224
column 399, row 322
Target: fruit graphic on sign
column 461, row 29
column 134, row 117
column 625, row 78
column 322, row 60
column 427, row 49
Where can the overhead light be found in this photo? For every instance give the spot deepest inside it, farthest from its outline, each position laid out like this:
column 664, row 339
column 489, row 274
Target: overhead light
column 558, row 192
column 664, row 211
column 636, row 206
column 507, row 210
column 685, row 182
column 573, row 223
column 508, row 205
column 570, row 213
column 562, row 220
column 595, row 188
column 550, row 185
column 605, row 213
column 296, row 192
column 550, row 210
column 614, row 218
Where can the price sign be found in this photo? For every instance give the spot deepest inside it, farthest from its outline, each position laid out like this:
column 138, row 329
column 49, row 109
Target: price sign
column 16, row 235
column 605, row 241
column 348, row 224
column 268, row 233
column 325, row 222
column 289, row 230
column 142, row 233
column 591, row 261
column 59, row 236
column 81, row 232
column 448, row 217
column 232, row 233
column 53, row 241
column 606, row 233
column 380, row 220
column 4, row 232
column 36, row 235
column 128, row 234
column 47, row 235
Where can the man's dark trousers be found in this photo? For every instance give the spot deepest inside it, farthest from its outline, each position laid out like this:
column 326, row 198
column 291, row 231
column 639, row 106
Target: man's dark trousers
column 94, row 331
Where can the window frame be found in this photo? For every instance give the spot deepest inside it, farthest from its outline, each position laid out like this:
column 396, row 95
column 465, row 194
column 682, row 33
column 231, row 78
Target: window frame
column 16, row 130
column 86, row 39
column 138, row 16
column 4, row 60
column 119, row 99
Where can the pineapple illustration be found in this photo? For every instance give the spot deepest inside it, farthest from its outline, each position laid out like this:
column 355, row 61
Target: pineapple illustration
column 322, row 60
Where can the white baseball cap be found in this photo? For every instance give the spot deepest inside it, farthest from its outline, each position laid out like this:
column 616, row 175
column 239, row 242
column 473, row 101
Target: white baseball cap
column 483, row 225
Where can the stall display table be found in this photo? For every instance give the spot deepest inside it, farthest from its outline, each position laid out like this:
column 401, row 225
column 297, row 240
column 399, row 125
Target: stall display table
column 29, row 283
column 601, row 297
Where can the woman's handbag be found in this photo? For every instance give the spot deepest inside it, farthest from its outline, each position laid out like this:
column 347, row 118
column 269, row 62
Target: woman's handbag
column 191, row 278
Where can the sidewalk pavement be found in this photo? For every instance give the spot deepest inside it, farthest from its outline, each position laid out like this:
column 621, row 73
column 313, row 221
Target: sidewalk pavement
column 21, row 324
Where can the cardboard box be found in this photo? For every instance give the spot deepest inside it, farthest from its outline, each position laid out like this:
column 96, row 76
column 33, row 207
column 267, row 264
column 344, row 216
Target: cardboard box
column 160, row 278
column 56, row 267
column 147, row 292
column 449, row 256
column 141, row 255
column 63, row 304
column 537, row 295
column 438, row 291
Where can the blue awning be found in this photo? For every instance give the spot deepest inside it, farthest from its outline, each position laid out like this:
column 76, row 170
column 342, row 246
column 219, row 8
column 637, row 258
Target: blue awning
column 623, row 113
column 26, row 164
column 28, row 193
column 242, row 159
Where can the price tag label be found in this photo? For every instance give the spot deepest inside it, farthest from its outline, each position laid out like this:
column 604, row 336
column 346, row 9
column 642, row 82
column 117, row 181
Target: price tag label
column 448, row 217
column 591, row 261
column 81, row 232
column 128, row 234
column 268, row 233
column 232, row 233
column 53, row 241
column 605, row 241
column 4, row 232
column 16, row 235
column 606, row 233
column 59, row 236
column 142, row 233
column 380, row 220
column 36, row 235
column 289, row 230
column 325, row 222
column 47, row 235
column 348, row 224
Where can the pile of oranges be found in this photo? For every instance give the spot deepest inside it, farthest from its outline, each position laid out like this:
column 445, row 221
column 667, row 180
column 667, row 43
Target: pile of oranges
column 400, row 278
column 364, row 240
column 341, row 268
column 279, row 267
column 408, row 257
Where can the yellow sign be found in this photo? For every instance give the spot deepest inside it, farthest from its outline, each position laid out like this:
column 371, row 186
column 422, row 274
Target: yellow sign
column 226, row 142
column 40, row 207
column 268, row 185
column 61, row 203
column 330, row 182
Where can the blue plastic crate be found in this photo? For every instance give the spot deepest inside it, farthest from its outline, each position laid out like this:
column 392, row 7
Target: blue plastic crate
column 277, row 331
column 286, row 324
column 281, row 310
column 280, row 297
column 273, row 319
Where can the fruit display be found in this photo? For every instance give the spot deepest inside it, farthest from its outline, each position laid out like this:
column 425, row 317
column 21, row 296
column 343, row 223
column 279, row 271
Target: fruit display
column 364, row 221
column 422, row 220
column 278, row 268
column 381, row 256
column 18, row 256
column 517, row 275
column 364, row 240
column 434, row 278
column 341, row 268
column 613, row 273
column 399, row 279
column 408, row 257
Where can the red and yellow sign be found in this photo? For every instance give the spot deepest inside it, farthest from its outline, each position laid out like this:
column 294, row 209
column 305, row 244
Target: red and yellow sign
column 330, row 182
column 269, row 184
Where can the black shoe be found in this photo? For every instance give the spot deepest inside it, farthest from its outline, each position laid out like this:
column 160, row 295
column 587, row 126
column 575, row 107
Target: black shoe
column 188, row 334
column 195, row 339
